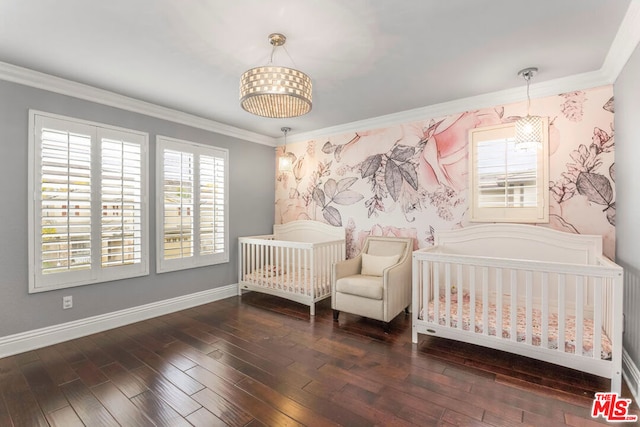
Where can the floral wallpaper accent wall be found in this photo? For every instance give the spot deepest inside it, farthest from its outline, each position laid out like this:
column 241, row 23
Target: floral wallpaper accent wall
column 411, row 179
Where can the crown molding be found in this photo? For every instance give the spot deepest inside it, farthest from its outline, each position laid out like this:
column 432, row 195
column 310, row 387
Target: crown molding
column 624, row 43
column 36, row 79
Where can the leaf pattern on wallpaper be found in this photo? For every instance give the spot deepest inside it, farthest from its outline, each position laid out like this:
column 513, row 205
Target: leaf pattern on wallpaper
column 612, row 172
column 609, row 105
column 582, row 175
column 602, row 141
column 573, row 106
column 370, row 165
column 611, row 214
column 395, row 168
column 335, row 192
column 332, row 216
column 329, row 148
column 595, row 187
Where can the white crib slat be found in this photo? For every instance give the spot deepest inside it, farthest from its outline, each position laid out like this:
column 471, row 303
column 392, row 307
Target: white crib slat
column 309, row 271
column 260, row 259
column 579, row 314
column 597, row 319
column 485, row 300
column 499, row 294
column 472, row 297
column 529, row 304
column 287, row 274
column 278, row 264
column 425, row 287
column 436, row 292
column 544, row 321
column 513, row 307
column 459, row 284
column 447, row 294
column 562, row 304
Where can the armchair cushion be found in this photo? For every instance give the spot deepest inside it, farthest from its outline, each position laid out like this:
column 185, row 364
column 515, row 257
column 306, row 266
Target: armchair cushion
column 362, row 286
column 374, row 265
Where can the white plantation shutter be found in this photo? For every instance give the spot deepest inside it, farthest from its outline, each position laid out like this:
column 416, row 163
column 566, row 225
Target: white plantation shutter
column 65, row 199
column 178, row 201
column 77, row 168
column 212, row 205
column 192, row 185
column 507, row 183
column 121, row 200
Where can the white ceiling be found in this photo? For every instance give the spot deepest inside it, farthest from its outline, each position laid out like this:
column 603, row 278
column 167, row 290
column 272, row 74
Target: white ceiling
column 367, row 58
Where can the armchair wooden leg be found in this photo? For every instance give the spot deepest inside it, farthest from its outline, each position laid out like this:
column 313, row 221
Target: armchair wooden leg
column 406, row 310
column 386, row 327
column 336, row 313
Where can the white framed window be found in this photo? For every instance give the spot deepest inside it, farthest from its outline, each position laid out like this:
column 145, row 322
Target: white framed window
column 507, row 183
column 192, row 204
column 88, row 213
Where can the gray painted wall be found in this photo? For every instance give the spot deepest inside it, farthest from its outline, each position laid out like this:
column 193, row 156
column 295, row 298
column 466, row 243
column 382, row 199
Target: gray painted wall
column 627, row 104
column 251, row 190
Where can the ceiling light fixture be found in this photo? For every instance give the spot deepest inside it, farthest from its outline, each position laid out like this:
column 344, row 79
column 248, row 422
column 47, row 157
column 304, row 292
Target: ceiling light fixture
column 274, row 91
column 529, row 132
column 285, row 162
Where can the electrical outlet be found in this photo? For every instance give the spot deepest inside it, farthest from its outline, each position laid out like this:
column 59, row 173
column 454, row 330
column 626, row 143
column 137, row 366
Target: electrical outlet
column 67, row 302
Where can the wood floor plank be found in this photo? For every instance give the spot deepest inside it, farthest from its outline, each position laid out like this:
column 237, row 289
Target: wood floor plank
column 127, row 383
column 286, row 405
column 24, row 410
column 167, row 391
column 203, row 418
column 89, row 373
column 47, row 393
column 181, row 380
column 125, row 412
column 208, row 362
column 223, row 409
column 257, row 408
column 158, row 410
column 5, row 417
column 86, row 405
column 116, row 349
column 64, row 417
column 57, row 366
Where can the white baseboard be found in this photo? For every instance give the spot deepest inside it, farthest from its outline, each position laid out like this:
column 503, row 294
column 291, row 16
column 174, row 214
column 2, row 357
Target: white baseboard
column 38, row 338
column 631, row 375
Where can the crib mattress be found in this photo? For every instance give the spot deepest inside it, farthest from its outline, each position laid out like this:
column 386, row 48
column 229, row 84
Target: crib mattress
column 536, row 336
column 294, row 282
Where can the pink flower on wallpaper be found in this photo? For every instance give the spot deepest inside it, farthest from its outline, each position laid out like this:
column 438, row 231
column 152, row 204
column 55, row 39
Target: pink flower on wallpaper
column 563, row 189
column 444, row 158
column 291, row 209
column 602, row 140
column 585, row 158
column 573, row 106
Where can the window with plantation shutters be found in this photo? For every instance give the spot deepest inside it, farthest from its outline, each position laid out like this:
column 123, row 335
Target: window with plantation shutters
column 192, row 204
column 507, row 182
column 88, row 214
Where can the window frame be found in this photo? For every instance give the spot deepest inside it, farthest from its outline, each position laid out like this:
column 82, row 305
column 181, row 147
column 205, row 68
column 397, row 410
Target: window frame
column 538, row 214
column 96, row 273
column 197, row 260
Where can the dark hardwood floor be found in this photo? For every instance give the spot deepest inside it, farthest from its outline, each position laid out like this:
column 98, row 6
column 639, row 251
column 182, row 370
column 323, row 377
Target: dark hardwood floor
column 259, row 360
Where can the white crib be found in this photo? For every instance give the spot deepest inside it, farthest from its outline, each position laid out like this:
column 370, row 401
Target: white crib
column 293, row 263
column 524, row 289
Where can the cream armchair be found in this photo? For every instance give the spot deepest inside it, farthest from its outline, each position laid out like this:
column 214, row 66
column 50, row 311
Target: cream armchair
column 377, row 282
